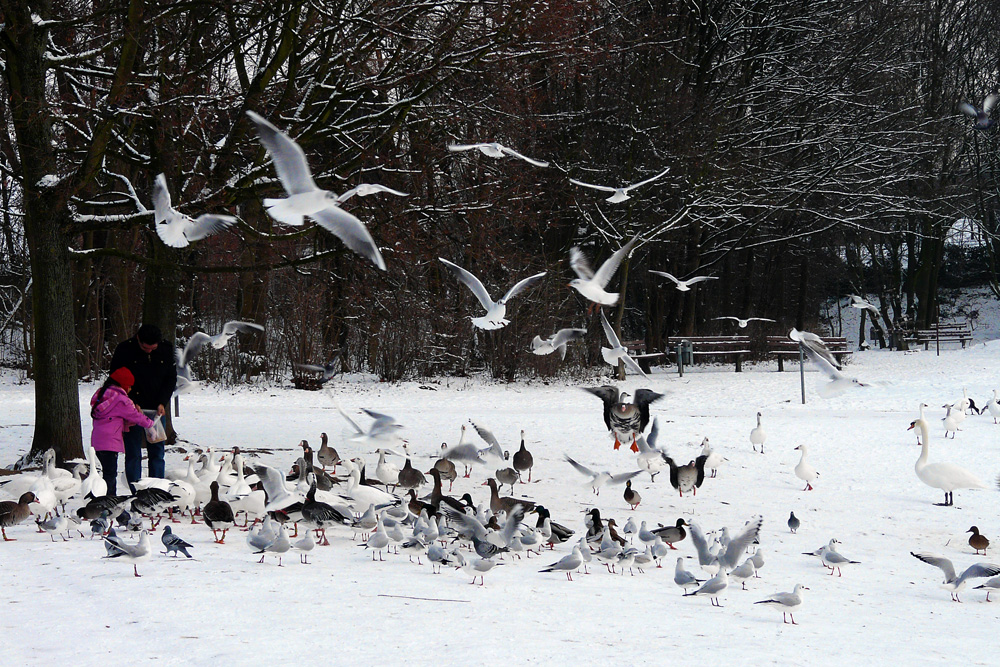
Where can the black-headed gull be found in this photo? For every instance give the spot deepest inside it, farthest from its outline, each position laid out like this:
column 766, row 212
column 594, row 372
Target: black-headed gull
column 833, row 559
column 305, row 198
column 683, row 578
column 494, row 317
column 862, row 304
column 684, row 285
column 955, row 582
column 328, row 369
column 178, row 230
column 592, row 284
column 557, row 341
column 617, row 352
column 495, row 150
column 366, row 189
column 714, row 587
column 569, row 563
column 218, row 341
column 816, row 351
column 786, row 602
column 132, row 553
column 597, row 479
column 743, row 323
column 619, row 194
column 982, row 116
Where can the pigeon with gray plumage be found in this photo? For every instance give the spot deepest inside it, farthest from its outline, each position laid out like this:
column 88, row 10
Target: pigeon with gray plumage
column 173, row 543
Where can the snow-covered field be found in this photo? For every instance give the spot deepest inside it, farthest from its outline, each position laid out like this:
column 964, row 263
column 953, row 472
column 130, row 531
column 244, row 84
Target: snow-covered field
column 62, row 601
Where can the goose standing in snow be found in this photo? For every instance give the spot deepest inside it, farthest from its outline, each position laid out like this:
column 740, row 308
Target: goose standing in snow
column 804, row 470
column 713, row 459
column 522, row 459
column 758, row 436
column 951, row 420
column 944, row 476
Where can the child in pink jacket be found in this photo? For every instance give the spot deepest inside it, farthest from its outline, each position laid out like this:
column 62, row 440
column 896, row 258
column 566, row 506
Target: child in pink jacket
column 113, row 412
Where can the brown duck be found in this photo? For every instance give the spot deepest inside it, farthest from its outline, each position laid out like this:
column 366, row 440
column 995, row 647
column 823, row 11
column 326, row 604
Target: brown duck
column 505, row 503
column 12, row 513
column 977, row 541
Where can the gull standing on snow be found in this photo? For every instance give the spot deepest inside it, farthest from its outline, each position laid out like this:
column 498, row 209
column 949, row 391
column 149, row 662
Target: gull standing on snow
column 494, row 317
column 743, row 323
column 178, row 230
column 686, row 580
column 814, row 349
column 557, row 341
column 955, row 582
column 832, row 558
column 591, row 284
column 684, row 285
column 495, row 150
column 568, row 564
column 786, row 602
column 305, row 198
column 619, row 194
column 132, row 553
column 714, row 587
column 617, row 352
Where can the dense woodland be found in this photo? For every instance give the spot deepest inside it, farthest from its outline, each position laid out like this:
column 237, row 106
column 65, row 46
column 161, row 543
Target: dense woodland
column 815, row 149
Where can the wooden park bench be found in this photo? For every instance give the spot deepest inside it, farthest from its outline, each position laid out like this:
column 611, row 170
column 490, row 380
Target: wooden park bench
column 637, row 350
column 708, row 347
column 944, row 333
column 784, row 347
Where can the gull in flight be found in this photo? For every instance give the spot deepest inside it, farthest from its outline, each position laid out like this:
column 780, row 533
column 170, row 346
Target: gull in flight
column 596, row 479
column 982, row 116
column 178, row 230
column 862, row 304
column 817, row 352
column 617, row 352
column 684, row 285
column 955, row 582
column 743, row 323
column 366, row 189
column 619, row 194
column 305, row 198
column 496, row 150
column 218, row 341
column 557, row 341
column 591, row 284
column 494, row 317
column 328, row 370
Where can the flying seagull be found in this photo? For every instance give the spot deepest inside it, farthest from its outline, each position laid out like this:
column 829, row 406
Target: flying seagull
column 591, row 284
column 817, row 352
column 366, row 189
column 495, row 150
column 178, row 230
column 617, row 352
column 684, row 285
column 743, row 323
column 494, row 317
column 557, row 341
column 305, row 198
column 218, row 341
column 619, row 194
column 328, row 370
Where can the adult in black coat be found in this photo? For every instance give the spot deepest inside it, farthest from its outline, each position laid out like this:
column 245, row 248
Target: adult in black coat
column 151, row 360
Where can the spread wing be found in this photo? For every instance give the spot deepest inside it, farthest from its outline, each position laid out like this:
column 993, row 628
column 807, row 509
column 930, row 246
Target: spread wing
column 472, row 282
column 564, row 336
column 610, row 265
column 603, row 188
column 582, row 469
column 193, row 347
column 643, row 397
column 623, row 477
column 287, row 156
column 578, row 262
column 968, row 109
column 700, row 279
column 514, row 153
column 530, row 281
column 609, row 395
column 609, row 332
column 633, row 365
column 739, row 544
column 990, row 102
column 938, row 561
column 235, row 326
column 207, row 224
column 666, row 275
column 161, row 199
column 365, row 189
column 648, row 180
column 351, row 231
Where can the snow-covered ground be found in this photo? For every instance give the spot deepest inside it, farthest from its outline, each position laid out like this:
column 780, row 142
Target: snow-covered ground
column 62, row 601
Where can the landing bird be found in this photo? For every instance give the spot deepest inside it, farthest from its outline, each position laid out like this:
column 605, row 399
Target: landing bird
column 820, row 356
column 617, row 352
column 366, row 189
column 954, row 582
column 328, row 369
column 596, row 479
column 557, row 341
column 741, row 322
column 495, row 150
column 684, row 285
column 786, row 602
column 384, row 430
column 623, row 419
column 982, row 116
column 218, row 341
column 178, row 230
column 592, row 285
column 495, row 311
column 619, row 194
column 305, row 198
column 862, row 304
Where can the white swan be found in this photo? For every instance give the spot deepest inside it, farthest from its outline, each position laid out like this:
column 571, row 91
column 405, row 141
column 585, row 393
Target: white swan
column 93, row 483
column 944, row 476
column 804, row 469
column 758, row 436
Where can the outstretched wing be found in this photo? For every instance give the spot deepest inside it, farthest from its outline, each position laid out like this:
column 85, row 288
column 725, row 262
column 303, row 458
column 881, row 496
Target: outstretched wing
column 472, row 282
column 230, row 328
column 623, row 477
column 643, row 397
column 582, row 469
column 519, row 287
column 578, row 262
column 609, row 332
column 514, row 153
column 193, row 347
column 648, row 180
column 700, row 279
column 990, row 102
column 564, row 336
column 610, row 265
column 968, row 109
column 287, row 156
column 938, row 561
column 207, row 224
column 603, row 188
column 633, row 365
column 351, row 231
column 666, row 275
column 609, row 395
column 161, row 199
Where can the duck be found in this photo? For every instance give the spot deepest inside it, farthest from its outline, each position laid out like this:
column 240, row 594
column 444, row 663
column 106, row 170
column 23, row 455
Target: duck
column 804, row 470
column 12, row 513
column 758, row 436
column 951, row 420
column 713, row 459
column 625, row 420
column 218, row 514
column 670, row 535
column 500, row 503
column 557, row 533
column 944, row 476
column 631, row 496
column 977, row 541
column 687, row 477
column 523, row 460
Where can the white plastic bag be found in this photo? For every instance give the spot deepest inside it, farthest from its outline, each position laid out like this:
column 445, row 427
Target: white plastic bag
column 156, row 432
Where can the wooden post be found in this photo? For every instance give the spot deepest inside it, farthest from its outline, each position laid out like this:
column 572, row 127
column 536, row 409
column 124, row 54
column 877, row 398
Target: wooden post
column 680, row 359
column 177, row 406
column 802, row 373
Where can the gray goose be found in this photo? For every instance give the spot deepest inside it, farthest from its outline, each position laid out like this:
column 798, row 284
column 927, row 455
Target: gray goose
column 327, row 456
column 446, row 469
column 688, row 477
column 507, row 476
column 12, row 513
column 625, row 420
column 218, row 514
column 505, row 503
column 410, row 477
column 523, row 459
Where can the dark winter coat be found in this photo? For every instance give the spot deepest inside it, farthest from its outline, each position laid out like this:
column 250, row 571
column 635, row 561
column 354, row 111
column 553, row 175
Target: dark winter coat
column 155, row 373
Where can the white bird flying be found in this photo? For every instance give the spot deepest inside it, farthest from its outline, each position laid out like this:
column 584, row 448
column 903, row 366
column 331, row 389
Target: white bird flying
column 494, row 317
column 743, row 323
column 596, row 479
column 862, row 304
column 557, row 341
column 982, row 116
column 218, row 341
column 178, row 230
column 305, row 198
column 619, row 194
column 495, row 150
column 818, row 353
column 366, row 189
column 591, row 284
column 617, row 352
column 684, row 285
